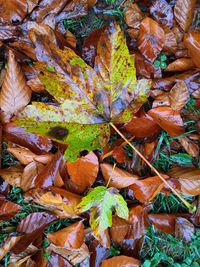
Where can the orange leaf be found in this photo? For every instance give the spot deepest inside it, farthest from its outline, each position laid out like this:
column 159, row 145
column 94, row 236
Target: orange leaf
column 8, row 209
column 119, row 154
column 133, row 15
column 15, row 93
column 178, row 96
column 68, row 237
column 151, row 39
column 120, row 178
column 168, row 119
column 190, row 147
column 170, row 40
column 119, row 261
column 23, row 154
column 192, row 42
column 180, row 64
column 183, row 12
column 84, row 171
column 119, row 229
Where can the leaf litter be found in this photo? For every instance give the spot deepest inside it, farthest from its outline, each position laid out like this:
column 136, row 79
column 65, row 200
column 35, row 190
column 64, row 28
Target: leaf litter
column 60, row 115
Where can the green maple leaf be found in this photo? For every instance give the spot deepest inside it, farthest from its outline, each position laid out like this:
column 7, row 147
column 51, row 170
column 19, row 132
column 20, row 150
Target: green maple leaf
column 101, row 202
column 88, row 99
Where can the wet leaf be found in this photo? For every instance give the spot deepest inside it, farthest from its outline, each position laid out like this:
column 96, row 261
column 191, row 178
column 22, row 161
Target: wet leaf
column 15, row 94
column 161, row 10
column 183, row 12
column 168, row 119
column 145, row 190
column 101, row 202
column 35, row 143
column 69, row 237
column 192, row 42
column 190, row 147
column 84, row 171
column 8, row 243
column 58, row 261
column 12, row 11
column 85, row 124
column 18, row 260
column 8, row 209
column 170, row 40
column 119, row 154
column 121, row 260
column 151, row 39
column 12, row 175
column 184, row 229
column 24, row 155
column 188, row 179
column 119, row 229
column 180, row 64
column 178, row 96
column 98, row 253
column 133, row 15
column 119, row 177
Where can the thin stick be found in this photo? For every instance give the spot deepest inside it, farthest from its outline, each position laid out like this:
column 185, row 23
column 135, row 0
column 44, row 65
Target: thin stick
column 111, row 175
column 191, row 207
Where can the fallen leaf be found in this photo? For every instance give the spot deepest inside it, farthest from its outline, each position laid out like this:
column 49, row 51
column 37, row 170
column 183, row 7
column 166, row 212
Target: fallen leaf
column 23, row 154
column 119, row 229
column 168, row 119
column 178, row 96
column 98, row 253
column 84, row 171
column 119, row 154
column 187, row 178
column 190, row 147
column 15, row 94
column 133, row 15
column 18, row 260
column 161, row 10
column 70, row 237
column 180, row 64
column 192, row 42
column 151, row 39
column 184, row 229
column 58, row 261
column 183, row 12
column 36, row 85
column 119, row 177
column 12, row 175
column 8, row 243
column 121, row 260
column 8, row 209
column 170, row 40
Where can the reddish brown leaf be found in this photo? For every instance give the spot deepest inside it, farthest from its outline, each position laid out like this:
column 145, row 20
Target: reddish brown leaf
column 145, row 190
column 15, row 94
column 138, row 218
column 36, row 85
column 170, row 40
column 8, row 210
column 188, row 179
column 184, row 229
column 58, row 261
column 151, row 39
column 98, row 254
column 190, row 147
column 8, row 243
column 168, row 119
column 192, row 42
column 12, row 175
column 180, row 64
column 119, row 178
column 178, row 96
column 25, row 48
column 119, row 154
column 133, row 15
column 18, row 260
column 32, row 226
column 162, row 11
column 104, row 238
column 84, row 171
column 68, row 237
column 183, row 12
column 12, row 11
column 119, row 261
column 118, row 229
column 17, row 135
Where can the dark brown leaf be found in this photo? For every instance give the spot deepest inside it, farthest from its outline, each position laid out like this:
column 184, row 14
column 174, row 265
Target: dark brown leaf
column 8, row 210
column 184, row 229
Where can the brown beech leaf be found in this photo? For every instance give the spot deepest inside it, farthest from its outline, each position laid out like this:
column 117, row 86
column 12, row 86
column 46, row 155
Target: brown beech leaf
column 36, row 85
column 184, row 229
column 170, row 40
column 192, row 42
column 17, row 135
column 142, row 125
column 180, row 64
column 183, row 12
column 119, row 229
column 50, row 175
column 58, row 261
column 61, row 202
column 161, row 100
column 165, row 222
column 168, row 119
column 8, row 209
column 15, row 93
column 8, row 243
column 104, row 238
column 119, row 261
column 98, row 253
column 74, row 256
column 138, row 218
column 23, row 154
column 133, row 15
column 84, row 171
column 188, row 179
column 32, row 226
column 190, row 147
column 12, row 11
column 145, row 190
column 119, row 154
column 151, row 39
column 12, row 175
column 119, row 178
column 69, row 237
column 18, row 260
column 178, row 96
column 25, row 48
column 162, row 11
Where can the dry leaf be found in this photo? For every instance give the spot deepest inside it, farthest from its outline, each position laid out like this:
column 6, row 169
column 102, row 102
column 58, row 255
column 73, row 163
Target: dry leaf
column 12, row 175
column 15, row 93
column 162, row 11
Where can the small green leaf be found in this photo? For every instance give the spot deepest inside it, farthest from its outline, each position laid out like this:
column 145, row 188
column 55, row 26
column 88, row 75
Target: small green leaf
column 101, row 202
column 163, row 65
column 163, row 58
column 182, row 158
column 156, row 63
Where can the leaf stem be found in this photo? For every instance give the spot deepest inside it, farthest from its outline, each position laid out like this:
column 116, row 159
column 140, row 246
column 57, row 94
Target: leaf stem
column 111, row 174
column 188, row 205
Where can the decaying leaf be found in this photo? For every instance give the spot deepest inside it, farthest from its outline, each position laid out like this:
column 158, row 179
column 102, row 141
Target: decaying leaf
column 101, row 202
column 98, row 96
column 15, row 93
column 184, row 229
